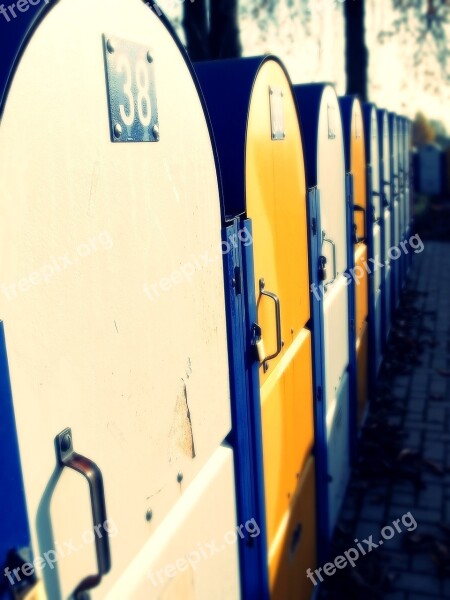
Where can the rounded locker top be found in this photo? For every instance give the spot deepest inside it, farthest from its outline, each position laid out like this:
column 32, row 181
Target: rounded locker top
column 257, row 132
column 228, row 87
column 111, row 269
column 383, row 133
column 372, row 143
column 354, row 144
column 324, row 148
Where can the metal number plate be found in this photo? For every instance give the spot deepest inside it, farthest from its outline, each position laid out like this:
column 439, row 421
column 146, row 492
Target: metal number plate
column 277, row 114
column 130, row 83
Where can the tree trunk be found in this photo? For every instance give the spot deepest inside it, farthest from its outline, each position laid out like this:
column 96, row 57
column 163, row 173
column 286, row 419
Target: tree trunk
column 195, row 24
column 224, row 39
column 356, row 50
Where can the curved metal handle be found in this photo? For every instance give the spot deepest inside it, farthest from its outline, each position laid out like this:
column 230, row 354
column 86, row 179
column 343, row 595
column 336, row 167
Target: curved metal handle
column 358, row 208
column 333, row 246
column 69, row 458
column 280, row 344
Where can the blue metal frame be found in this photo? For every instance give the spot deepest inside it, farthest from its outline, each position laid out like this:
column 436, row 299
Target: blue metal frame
column 385, row 313
column 395, row 295
column 374, row 336
column 14, row 529
column 318, row 355
column 245, row 437
column 218, row 80
column 346, row 106
column 309, row 98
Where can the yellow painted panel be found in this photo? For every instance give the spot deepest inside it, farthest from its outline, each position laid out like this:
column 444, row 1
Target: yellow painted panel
column 361, row 288
column 362, row 357
column 288, row 429
column 295, row 549
column 276, row 203
column 358, row 165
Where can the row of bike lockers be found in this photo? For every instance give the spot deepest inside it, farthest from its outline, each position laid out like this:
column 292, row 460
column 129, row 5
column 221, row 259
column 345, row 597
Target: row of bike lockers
column 198, row 277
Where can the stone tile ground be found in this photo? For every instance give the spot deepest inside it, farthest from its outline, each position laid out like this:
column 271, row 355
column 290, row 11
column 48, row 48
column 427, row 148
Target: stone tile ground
column 405, row 452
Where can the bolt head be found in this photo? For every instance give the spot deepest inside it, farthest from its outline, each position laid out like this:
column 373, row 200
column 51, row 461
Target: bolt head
column 155, row 131
column 66, row 443
column 180, row 477
column 110, row 46
column 117, row 130
column 149, row 57
column 149, row 515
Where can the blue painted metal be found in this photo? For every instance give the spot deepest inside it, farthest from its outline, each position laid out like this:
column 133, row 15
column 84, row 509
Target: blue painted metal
column 309, row 98
column 220, row 89
column 318, row 350
column 245, row 437
column 385, row 204
column 14, row 529
column 352, row 366
column 346, row 106
column 395, row 276
column 371, row 222
column 228, row 84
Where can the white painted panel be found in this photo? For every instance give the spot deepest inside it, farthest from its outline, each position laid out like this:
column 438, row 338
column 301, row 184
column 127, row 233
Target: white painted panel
column 331, row 181
column 338, row 453
column 143, row 383
column 336, row 339
column 193, row 555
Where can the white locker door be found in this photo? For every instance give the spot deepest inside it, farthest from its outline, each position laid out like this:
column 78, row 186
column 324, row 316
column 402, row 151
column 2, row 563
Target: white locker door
column 112, row 282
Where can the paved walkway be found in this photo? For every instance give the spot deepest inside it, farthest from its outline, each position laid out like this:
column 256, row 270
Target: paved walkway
column 404, row 467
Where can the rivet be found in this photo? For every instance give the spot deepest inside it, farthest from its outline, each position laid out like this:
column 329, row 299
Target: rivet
column 149, row 515
column 180, row 477
column 110, row 46
column 149, row 57
column 292, row 330
column 66, row 443
column 155, row 131
column 117, row 130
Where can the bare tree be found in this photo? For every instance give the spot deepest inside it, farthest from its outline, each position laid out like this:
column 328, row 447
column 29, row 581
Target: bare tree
column 212, row 29
column 428, row 24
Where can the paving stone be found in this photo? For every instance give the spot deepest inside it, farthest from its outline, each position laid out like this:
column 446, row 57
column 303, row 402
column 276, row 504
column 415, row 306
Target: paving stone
column 418, row 583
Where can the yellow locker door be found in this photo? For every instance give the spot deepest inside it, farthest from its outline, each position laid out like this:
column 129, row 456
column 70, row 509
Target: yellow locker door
column 276, row 203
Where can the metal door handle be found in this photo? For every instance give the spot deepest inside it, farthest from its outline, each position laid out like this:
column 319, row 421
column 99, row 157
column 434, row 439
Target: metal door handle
column 69, row 458
column 358, row 208
column 275, row 298
column 333, row 246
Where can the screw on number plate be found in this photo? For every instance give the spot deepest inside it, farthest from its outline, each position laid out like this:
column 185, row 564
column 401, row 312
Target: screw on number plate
column 117, row 130
column 155, row 131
